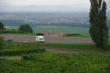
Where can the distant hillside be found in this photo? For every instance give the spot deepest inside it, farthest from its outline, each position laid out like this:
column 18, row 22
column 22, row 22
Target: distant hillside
column 47, row 19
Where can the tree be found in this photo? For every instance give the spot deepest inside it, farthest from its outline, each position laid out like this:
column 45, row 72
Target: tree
column 1, row 25
column 25, row 28
column 1, row 40
column 99, row 28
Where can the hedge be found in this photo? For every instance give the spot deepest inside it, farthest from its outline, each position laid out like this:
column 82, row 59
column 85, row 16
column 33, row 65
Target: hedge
column 10, row 52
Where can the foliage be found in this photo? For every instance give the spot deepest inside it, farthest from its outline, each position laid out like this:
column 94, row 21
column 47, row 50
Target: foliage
column 57, row 63
column 1, row 40
column 34, row 61
column 25, row 28
column 74, row 35
column 1, row 25
column 98, row 28
column 13, row 48
column 39, row 34
column 1, row 45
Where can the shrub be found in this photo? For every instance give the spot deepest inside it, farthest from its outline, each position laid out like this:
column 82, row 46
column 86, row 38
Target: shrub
column 73, row 35
column 20, row 52
column 39, row 34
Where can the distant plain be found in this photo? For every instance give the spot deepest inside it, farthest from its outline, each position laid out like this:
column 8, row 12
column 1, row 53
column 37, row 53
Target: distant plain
column 56, row 29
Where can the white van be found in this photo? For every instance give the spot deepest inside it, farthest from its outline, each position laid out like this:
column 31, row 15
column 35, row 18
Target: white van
column 40, row 38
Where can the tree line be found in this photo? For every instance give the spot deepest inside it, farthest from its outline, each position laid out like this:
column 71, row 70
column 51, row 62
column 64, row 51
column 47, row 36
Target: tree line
column 24, row 28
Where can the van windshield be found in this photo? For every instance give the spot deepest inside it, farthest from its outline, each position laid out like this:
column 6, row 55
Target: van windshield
column 41, row 39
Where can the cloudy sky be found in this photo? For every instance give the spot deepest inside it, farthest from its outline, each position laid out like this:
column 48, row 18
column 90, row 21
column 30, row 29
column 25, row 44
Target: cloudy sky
column 46, row 5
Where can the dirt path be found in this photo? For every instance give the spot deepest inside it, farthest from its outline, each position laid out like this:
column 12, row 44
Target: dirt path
column 67, row 50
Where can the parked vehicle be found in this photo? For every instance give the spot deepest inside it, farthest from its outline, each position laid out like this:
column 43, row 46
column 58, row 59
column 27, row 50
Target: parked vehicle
column 9, row 39
column 40, row 38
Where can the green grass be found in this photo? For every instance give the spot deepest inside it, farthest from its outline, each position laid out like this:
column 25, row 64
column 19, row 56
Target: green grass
column 74, row 46
column 57, row 63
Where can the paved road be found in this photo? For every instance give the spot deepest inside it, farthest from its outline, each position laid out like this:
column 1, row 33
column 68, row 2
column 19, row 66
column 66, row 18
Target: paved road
column 68, row 40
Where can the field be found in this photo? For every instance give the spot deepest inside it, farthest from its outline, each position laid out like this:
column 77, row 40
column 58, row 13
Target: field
column 42, row 61
column 56, row 29
column 83, row 31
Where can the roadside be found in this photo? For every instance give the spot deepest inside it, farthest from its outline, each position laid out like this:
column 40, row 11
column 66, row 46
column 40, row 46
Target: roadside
column 68, row 50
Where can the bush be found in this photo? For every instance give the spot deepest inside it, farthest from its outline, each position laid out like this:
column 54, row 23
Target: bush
column 20, row 52
column 73, row 35
column 40, row 34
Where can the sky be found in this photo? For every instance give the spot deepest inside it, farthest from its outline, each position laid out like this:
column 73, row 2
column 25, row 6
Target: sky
column 46, row 5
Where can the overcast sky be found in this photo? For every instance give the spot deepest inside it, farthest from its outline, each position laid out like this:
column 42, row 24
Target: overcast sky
column 46, row 5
